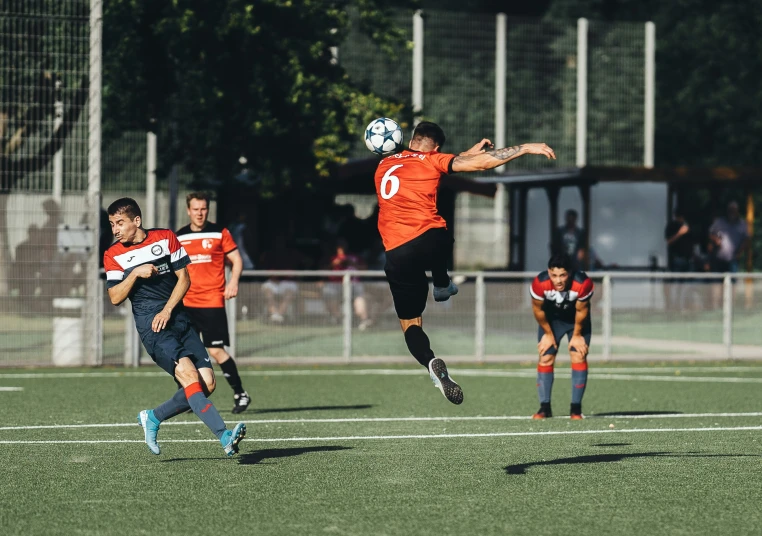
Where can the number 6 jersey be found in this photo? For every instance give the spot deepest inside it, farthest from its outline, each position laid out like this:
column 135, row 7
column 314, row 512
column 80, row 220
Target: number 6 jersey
column 406, row 185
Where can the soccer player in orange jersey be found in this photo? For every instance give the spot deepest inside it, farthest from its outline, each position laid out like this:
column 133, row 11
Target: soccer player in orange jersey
column 209, row 245
column 415, row 235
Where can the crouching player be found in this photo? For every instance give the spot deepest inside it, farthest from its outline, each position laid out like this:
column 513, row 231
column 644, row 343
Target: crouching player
column 561, row 306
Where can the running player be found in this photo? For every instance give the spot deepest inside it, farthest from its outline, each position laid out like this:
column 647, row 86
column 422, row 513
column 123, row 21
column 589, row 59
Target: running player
column 149, row 268
column 209, row 246
column 415, row 235
column 561, row 306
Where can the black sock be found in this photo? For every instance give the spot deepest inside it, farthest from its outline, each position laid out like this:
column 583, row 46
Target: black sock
column 230, row 371
column 419, row 345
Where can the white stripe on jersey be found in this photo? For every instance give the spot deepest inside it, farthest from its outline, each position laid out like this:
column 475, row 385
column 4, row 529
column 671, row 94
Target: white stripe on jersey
column 179, row 254
column 142, row 255
column 535, row 296
column 114, row 275
column 199, row 236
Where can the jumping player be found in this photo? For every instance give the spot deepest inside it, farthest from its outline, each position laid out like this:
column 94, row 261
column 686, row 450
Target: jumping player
column 415, row 235
column 561, row 306
column 209, row 245
column 148, row 266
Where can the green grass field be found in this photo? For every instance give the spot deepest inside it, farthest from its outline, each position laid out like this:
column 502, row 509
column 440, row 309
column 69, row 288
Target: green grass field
column 379, row 451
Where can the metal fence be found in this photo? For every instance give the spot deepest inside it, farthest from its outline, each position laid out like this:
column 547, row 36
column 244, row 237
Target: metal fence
column 635, row 315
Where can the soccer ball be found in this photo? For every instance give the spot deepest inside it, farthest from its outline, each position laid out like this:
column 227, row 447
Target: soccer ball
column 383, row 136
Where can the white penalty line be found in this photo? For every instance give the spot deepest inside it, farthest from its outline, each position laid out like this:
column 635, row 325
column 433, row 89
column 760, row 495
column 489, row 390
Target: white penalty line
column 398, row 437
column 385, row 419
column 11, row 389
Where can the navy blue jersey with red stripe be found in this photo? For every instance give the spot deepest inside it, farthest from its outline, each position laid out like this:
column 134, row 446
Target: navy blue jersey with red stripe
column 160, row 248
column 557, row 304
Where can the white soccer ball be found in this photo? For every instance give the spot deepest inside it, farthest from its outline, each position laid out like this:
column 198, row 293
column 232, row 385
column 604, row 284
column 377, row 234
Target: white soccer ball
column 383, row 136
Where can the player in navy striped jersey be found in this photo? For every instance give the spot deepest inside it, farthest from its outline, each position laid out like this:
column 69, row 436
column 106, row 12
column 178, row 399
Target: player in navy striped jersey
column 149, row 266
column 561, row 306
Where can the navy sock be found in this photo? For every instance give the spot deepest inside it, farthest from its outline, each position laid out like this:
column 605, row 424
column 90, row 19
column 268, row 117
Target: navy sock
column 174, row 406
column 544, row 383
column 204, row 409
column 230, row 371
column 419, row 345
column 579, row 382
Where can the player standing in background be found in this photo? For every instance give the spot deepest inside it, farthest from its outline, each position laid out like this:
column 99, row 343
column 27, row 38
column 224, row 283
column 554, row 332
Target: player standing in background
column 561, row 306
column 415, row 235
column 149, row 268
column 209, row 245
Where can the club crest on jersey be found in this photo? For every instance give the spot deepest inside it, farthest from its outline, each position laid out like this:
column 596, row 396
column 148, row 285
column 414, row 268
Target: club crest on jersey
column 206, row 243
column 157, row 250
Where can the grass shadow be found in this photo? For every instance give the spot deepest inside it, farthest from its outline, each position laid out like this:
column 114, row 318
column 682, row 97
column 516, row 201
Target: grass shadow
column 521, row 468
column 253, row 458
column 633, row 413
column 312, row 408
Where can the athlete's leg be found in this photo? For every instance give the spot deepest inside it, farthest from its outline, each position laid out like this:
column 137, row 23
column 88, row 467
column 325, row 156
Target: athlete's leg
column 441, row 250
column 545, row 376
column 578, row 376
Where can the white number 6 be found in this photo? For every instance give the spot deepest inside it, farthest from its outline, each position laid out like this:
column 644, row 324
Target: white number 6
column 392, row 180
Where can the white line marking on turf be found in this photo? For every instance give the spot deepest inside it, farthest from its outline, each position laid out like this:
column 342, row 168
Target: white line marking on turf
column 11, row 389
column 386, row 419
column 388, row 437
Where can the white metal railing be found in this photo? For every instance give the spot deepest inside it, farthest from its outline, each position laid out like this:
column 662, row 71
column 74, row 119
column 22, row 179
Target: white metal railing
column 630, row 316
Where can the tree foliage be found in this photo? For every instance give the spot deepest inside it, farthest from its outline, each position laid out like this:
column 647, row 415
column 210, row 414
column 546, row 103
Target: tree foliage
column 222, row 80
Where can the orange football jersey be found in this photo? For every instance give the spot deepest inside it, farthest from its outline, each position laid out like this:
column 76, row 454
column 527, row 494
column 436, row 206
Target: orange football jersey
column 406, row 185
column 207, row 250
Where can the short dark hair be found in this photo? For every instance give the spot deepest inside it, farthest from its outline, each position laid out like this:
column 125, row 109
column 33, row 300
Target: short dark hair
column 125, row 205
column 572, row 212
column 560, row 260
column 203, row 196
column 432, row 131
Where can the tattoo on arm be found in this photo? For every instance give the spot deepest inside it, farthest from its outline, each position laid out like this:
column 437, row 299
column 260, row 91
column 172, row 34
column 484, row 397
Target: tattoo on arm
column 507, row 152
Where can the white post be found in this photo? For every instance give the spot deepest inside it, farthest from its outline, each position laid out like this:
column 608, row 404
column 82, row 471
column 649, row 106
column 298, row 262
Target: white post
column 58, row 109
column 650, row 96
column 481, row 313
column 346, row 295
column 150, row 210
column 417, row 63
column 230, row 312
column 727, row 315
column 91, row 315
column 500, row 87
column 131, row 340
column 582, row 92
column 606, row 302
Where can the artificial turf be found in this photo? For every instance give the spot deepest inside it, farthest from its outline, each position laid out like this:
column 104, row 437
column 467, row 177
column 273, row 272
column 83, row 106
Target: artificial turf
column 333, row 450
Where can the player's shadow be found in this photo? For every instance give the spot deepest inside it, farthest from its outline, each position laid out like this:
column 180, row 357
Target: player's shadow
column 311, row 408
column 634, row 413
column 258, row 456
column 521, row 468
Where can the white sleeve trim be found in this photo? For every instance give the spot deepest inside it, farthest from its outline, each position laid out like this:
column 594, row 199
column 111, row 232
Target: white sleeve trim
column 179, row 254
column 114, row 275
column 535, row 296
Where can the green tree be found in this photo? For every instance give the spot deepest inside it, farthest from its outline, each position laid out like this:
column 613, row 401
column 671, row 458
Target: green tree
column 221, row 80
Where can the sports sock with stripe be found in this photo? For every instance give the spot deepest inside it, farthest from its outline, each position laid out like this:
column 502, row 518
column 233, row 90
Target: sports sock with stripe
column 204, row 409
column 579, row 381
column 174, row 406
column 544, row 382
column 230, row 371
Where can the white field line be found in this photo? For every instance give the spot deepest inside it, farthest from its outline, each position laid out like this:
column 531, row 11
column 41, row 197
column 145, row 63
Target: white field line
column 384, row 419
column 397, row 437
column 9, row 389
column 596, row 372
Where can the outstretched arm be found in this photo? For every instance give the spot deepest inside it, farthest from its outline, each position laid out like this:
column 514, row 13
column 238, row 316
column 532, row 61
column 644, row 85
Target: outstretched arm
column 493, row 158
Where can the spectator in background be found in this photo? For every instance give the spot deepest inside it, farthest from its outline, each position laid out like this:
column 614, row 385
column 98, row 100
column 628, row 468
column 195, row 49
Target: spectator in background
column 332, row 291
column 679, row 255
column 728, row 240
column 241, row 234
column 280, row 292
column 570, row 240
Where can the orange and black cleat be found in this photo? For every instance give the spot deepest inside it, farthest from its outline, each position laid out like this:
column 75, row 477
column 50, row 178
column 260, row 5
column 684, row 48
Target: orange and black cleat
column 575, row 412
column 543, row 413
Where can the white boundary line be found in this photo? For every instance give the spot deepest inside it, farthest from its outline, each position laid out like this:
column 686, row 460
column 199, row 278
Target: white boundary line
column 385, row 419
column 8, row 389
column 420, row 436
column 601, row 373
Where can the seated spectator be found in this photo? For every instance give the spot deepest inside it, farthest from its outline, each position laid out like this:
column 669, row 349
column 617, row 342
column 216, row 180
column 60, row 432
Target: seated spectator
column 280, row 292
column 332, row 290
